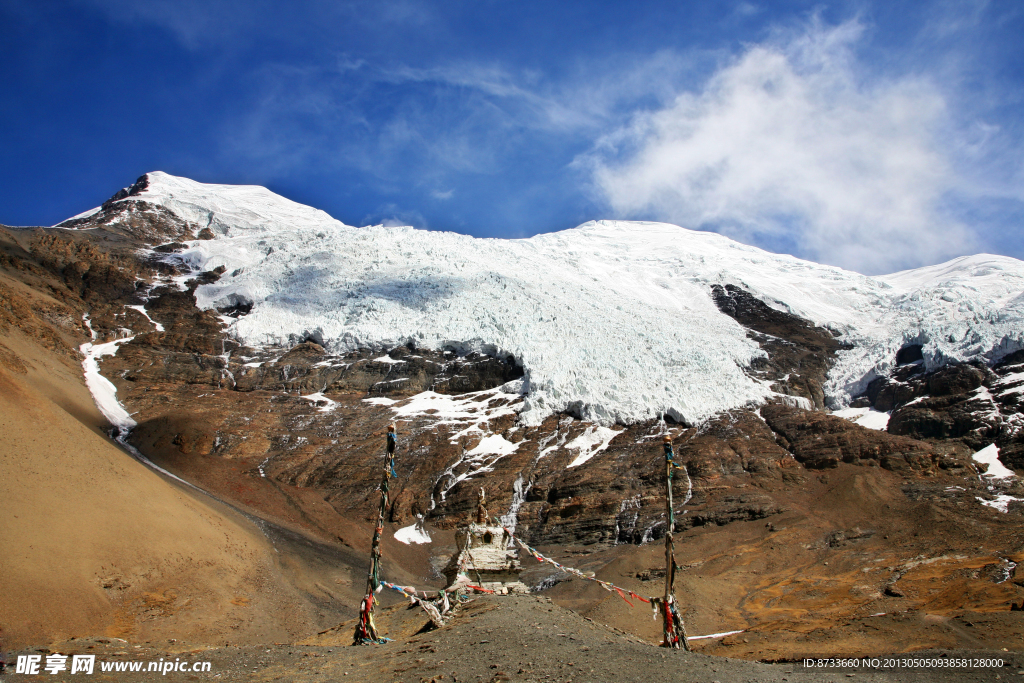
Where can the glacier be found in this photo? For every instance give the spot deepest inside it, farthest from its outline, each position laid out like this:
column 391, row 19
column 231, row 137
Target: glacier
column 612, row 321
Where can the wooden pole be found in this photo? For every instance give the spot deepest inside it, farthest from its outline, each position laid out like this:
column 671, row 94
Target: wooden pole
column 481, row 510
column 672, row 622
column 366, row 630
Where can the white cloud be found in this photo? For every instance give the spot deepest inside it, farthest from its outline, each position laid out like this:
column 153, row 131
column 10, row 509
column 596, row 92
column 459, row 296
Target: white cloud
column 392, row 216
column 791, row 144
column 438, row 194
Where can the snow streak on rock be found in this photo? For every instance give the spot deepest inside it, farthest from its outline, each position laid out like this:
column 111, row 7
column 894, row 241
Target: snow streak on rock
column 471, row 411
column 142, row 310
column 102, row 389
column 612, row 321
column 590, row 443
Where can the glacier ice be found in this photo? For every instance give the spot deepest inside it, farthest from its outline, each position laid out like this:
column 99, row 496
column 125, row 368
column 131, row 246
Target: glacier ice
column 612, row 320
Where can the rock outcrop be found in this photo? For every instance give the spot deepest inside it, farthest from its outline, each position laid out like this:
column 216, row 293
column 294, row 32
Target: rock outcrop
column 798, row 353
column 966, row 406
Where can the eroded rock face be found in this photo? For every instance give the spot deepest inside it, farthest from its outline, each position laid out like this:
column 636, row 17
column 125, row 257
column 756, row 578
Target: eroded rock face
column 955, row 379
column 181, row 355
column 960, row 416
column 910, row 382
column 821, row 441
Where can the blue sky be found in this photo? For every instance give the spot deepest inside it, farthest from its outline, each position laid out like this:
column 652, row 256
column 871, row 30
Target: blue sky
column 874, row 136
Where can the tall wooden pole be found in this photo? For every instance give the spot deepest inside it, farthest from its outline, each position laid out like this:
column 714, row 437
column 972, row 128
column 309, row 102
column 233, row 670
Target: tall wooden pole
column 672, row 622
column 366, row 630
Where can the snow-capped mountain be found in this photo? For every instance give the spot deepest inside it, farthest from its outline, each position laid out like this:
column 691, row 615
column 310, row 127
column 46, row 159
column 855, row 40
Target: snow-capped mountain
column 326, row 334
column 614, row 321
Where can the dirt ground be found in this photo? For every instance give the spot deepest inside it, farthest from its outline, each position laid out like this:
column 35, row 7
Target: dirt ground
column 922, row 578
column 508, row 638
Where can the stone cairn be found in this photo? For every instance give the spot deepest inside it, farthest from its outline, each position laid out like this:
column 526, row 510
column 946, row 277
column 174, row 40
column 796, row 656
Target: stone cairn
column 484, row 558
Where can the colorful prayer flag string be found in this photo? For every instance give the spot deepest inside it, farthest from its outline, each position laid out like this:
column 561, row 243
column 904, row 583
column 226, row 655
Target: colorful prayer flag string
column 576, row 572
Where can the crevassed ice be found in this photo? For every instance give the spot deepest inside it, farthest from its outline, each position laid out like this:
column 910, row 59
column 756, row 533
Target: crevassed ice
column 611, row 320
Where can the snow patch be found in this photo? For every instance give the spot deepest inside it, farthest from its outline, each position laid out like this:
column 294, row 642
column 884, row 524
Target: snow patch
column 386, row 359
column 414, row 533
column 380, row 401
column 865, row 417
column 996, row 469
column 1000, row 502
column 495, row 444
column 319, row 396
column 591, row 442
column 1011, row 378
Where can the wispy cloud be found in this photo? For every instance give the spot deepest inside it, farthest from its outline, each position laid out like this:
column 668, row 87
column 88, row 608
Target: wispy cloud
column 790, row 145
column 389, row 120
column 196, row 24
column 393, row 216
column 511, row 92
column 204, row 24
column 747, row 9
